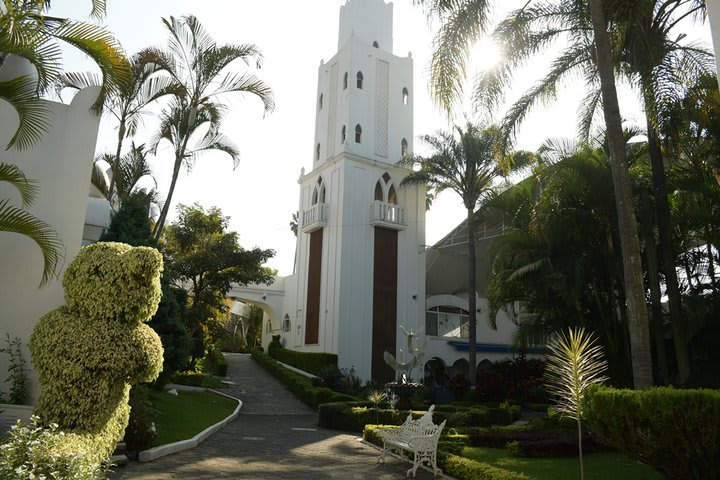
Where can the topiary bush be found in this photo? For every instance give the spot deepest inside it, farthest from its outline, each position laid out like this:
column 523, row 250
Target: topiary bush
column 673, row 431
column 90, row 351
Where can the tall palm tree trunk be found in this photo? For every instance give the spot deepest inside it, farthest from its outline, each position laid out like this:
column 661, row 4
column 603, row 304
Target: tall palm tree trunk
column 157, row 231
column 472, row 303
column 630, row 243
column 657, row 324
column 662, row 212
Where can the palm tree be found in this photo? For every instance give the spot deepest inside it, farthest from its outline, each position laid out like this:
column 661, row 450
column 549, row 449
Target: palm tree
column 18, row 220
column 588, row 43
column 192, row 121
column 627, row 226
column 646, row 51
column 132, row 167
column 25, row 31
column 129, row 102
column 464, row 161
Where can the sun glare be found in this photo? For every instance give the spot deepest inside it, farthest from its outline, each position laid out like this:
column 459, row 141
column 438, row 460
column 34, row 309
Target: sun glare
column 484, row 54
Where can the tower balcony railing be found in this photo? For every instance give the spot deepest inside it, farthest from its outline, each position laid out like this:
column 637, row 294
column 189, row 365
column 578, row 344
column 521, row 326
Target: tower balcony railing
column 315, row 217
column 387, row 215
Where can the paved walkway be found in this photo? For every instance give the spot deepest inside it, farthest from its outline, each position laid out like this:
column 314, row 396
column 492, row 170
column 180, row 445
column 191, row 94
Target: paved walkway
column 275, row 437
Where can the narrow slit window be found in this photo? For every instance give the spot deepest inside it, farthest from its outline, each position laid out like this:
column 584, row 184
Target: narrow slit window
column 403, row 147
column 343, row 134
column 320, row 102
column 405, row 95
column 359, row 80
column 345, row 81
column 317, row 152
column 358, row 133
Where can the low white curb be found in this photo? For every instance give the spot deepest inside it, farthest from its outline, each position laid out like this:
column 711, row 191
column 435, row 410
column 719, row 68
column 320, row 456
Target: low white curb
column 163, row 450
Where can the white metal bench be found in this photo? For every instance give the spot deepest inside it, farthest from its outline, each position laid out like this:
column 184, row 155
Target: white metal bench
column 417, row 436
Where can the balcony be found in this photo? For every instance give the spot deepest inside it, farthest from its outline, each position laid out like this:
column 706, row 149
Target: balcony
column 387, row 215
column 315, row 217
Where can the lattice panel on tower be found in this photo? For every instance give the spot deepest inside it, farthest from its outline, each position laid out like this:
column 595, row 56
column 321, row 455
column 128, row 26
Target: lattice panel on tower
column 332, row 109
column 381, row 108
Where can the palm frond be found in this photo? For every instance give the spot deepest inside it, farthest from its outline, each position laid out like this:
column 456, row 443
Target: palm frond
column 34, row 114
column 14, row 176
column 16, row 220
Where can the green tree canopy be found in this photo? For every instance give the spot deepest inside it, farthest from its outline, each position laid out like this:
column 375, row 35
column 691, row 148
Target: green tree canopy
column 206, row 260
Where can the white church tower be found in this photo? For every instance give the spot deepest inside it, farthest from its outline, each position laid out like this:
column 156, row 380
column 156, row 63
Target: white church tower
column 360, row 265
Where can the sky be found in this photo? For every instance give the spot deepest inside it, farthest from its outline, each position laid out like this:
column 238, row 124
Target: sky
column 261, row 194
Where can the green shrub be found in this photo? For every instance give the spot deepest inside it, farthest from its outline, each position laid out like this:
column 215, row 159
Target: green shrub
column 35, row 452
column 213, row 362
column 140, row 431
column 88, row 353
column 353, row 416
column 673, row 431
column 316, row 363
column 17, row 373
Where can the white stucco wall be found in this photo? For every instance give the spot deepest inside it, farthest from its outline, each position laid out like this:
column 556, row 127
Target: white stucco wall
column 713, row 7
column 60, row 164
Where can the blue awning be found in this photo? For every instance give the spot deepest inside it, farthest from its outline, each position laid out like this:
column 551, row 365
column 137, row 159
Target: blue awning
column 464, row 346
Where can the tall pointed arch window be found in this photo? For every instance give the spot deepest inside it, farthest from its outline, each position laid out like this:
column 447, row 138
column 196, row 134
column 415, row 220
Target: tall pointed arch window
column 318, row 195
column 345, row 81
column 403, row 147
column 405, row 95
column 320, row 102
column 358, row 133
column 359, row 80
column 343, row 134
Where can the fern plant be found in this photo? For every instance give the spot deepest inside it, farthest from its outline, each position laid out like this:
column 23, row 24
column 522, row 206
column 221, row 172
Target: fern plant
column 575, row 363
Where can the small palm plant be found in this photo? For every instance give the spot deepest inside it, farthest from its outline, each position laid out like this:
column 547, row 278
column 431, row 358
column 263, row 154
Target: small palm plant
column 575, row 363
column 376, row 396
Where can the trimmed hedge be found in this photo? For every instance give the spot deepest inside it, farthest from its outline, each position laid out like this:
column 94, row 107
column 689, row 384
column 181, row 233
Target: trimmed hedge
column 299, row 384
column 353, row 416
column 530, row 443
column 452, row 464
column 676, row 432
column 316, row 363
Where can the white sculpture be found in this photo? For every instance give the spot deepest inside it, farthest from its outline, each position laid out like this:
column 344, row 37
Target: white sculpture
column 415, row 349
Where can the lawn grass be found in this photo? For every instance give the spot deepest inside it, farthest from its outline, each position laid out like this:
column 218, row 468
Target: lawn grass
column 186, row 414
column 598, row 466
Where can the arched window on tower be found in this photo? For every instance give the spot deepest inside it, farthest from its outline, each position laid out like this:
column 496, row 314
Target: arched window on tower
column 345, row 81
column 343, row 134
column 375, row 44
column 403, row 147
column 318, row 195
column 359, row 80
column 358, row 133
column 385, row 190
column 405, row 95
column 379, row 196
column 392, row 195
column 320, row 102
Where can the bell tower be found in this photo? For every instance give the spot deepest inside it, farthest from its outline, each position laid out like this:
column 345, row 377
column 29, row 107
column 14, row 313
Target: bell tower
column 360, row 262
